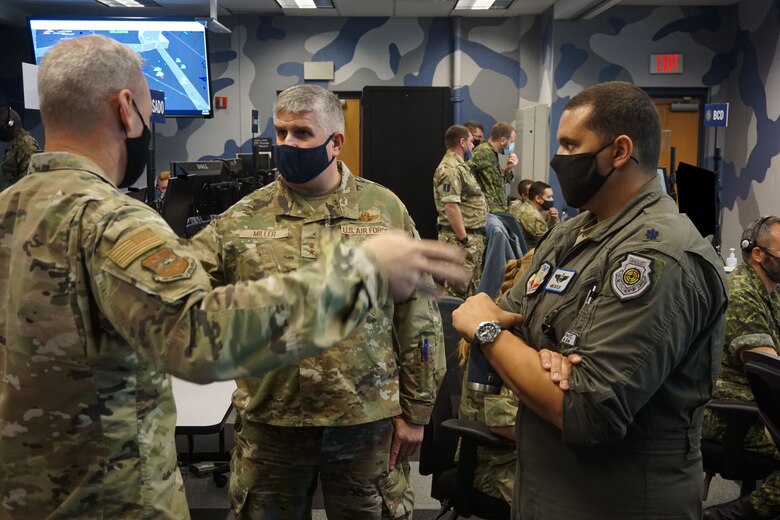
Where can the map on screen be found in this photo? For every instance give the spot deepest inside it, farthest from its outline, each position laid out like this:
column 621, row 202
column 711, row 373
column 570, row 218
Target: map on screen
column 175, row 54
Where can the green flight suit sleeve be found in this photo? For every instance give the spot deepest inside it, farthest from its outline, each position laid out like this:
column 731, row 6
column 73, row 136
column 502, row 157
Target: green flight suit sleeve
column 154, row 292
column 629, row 347
column 416, row 322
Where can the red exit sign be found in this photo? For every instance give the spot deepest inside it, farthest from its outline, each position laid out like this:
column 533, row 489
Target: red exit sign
column 666, row 64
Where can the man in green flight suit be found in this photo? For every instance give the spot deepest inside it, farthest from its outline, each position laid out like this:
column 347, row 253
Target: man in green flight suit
column 752, row 323
column 486, row 168
column 461, row 206
column 21, row 146
column 101, row 302
column 631, row 287
column 356, row 413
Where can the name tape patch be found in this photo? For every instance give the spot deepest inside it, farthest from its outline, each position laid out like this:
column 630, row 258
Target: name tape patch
column 264, row 233
column 362, row 230
column 560, row 280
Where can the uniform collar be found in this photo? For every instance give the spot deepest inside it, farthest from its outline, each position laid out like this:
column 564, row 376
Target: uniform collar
column 456, row 156
column 647, row 195
column 54, row 161
column 343, row 202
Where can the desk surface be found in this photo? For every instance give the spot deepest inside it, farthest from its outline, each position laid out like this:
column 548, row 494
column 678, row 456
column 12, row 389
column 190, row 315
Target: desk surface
column 202, row 406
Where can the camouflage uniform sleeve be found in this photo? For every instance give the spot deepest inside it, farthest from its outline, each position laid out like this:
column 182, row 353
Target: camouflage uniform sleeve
column 748, row 322
column 206, row 246
column 154, row 292
column 416, row 322
column 501, row 409
column 532, row 222
column 450, row 186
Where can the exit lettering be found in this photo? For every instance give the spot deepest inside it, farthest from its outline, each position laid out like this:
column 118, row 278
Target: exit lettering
column 666, row 63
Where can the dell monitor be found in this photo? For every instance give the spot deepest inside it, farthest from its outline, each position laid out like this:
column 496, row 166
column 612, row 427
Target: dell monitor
column 175, row 53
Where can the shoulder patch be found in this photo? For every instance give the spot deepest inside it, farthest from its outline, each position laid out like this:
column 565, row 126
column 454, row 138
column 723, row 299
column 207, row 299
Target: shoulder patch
column 167, row 266
column 130, row 248
column 633, row 277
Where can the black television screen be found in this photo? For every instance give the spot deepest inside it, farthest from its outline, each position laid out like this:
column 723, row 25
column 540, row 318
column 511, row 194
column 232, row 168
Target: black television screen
column 175, row 54
column 696, row 194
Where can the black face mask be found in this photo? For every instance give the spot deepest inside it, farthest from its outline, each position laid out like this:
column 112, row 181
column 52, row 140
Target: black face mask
column 299, row 165
column 476, row 142
column 771, row 267
column 137, row 154
column 579, row 177
column 547, row 204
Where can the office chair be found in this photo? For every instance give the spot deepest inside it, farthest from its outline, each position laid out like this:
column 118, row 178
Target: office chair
column 451, row 479
column 728, row 458
column 763, row 373
column 513, row 228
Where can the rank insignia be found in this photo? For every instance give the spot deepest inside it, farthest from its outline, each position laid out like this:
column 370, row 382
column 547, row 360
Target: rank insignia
column 652, row 234
column 632, row 278
column 445, row 187
column 538, row 278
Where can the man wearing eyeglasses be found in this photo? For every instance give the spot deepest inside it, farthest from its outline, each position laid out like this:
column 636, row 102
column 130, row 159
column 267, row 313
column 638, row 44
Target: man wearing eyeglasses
column 631, row 287
column 752, row 323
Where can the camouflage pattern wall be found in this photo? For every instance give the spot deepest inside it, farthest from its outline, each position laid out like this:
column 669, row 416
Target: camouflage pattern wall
column 734, row 51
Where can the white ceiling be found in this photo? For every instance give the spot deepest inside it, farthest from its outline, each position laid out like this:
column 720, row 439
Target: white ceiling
column 16, row 11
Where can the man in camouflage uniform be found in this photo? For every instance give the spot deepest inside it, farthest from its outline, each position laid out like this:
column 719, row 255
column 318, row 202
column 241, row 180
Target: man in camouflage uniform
column 485, row 166
column 522, row 189
column 351, row 416
column 100, row 302
column 461, row 205
column 537, row 214
column 21, row 146
column 476, row 129
column 752, row 323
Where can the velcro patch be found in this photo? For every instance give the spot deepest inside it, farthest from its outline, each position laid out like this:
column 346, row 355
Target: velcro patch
column 369, row 215
column 632, row 278
column 445, row 187
column 127, row 250
column 570, row 339
column 537, row 279
column 167, row 266
column 264, row 233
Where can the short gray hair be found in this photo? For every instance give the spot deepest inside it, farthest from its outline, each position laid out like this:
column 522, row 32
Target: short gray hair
column 309, row 98
column 77, row 77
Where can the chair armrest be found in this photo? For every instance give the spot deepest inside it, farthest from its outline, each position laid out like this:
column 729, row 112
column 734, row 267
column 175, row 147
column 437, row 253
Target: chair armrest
column 734, row 406
column 475, row 431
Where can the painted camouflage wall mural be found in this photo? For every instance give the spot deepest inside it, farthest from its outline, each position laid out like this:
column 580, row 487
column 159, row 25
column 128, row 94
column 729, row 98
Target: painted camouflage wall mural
column 731, row 50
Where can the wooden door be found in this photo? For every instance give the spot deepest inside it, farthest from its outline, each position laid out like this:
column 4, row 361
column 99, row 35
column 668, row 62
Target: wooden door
column 350, row 154
column 680, row 122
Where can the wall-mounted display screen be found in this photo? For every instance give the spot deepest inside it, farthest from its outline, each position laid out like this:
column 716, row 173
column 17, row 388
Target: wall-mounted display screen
column 175, row 54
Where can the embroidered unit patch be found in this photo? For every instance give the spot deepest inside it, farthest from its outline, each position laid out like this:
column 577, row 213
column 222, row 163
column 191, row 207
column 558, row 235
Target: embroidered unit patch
column 632, row 278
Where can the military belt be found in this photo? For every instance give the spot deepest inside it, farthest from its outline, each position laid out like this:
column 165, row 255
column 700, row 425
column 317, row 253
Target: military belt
column 469, row 231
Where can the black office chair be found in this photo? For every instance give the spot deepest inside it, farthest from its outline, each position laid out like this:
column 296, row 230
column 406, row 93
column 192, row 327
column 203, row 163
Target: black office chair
column 763, row 373
column 729, row 458
column 452, row 480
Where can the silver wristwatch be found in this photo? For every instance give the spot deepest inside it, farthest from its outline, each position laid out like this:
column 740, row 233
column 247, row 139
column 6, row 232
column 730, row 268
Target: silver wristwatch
column 487, row 332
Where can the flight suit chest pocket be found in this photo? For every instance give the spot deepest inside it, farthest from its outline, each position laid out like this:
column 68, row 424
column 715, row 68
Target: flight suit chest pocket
column 260, row 252
column 565, row 324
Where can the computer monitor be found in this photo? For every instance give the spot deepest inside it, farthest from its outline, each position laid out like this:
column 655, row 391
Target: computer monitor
column 252, row 164
column 206, row 170
column 696, row 193
column 661, row 172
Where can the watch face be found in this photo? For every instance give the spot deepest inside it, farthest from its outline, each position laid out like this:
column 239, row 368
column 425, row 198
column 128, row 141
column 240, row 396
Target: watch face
column 487, row 331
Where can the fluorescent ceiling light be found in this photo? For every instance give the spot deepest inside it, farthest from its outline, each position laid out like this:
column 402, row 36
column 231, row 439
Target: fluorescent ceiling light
column 129, row 3
column 474, row 5
column 305, row 4
column 121, row 3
